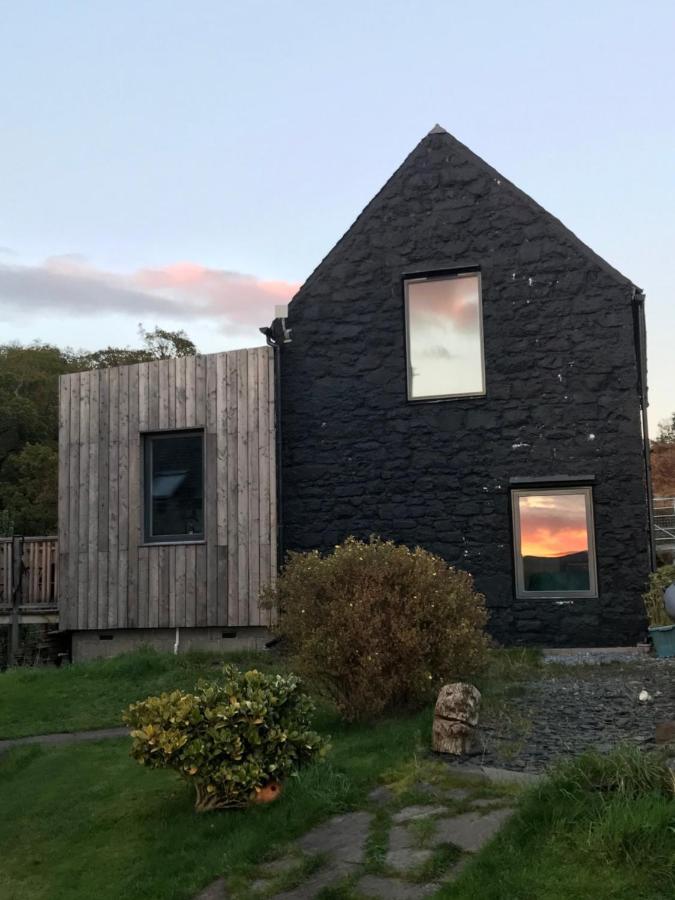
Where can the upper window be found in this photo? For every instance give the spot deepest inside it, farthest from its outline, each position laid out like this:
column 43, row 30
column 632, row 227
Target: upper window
column 444, row 336
column 174, row 487
column 554, row 545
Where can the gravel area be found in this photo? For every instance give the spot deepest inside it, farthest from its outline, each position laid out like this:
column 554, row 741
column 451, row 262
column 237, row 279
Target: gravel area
column 570, row 708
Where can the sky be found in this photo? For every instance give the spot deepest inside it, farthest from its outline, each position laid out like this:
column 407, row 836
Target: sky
column 189, row 164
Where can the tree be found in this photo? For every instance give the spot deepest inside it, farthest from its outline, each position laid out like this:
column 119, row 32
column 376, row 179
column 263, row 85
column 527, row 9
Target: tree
column 663, row 468
column 29, row 419
column 29, row 489
column 29, row 402
column 163, row 344
column 663, row 459
column 666, row 433
column 159, row 344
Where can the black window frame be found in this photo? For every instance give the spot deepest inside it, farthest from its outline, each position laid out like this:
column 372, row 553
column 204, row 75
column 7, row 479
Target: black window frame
column 442, row 274
column 148, row 438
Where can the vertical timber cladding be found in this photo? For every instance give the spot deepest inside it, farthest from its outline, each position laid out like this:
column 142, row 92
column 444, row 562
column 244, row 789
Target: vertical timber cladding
column 109, row 578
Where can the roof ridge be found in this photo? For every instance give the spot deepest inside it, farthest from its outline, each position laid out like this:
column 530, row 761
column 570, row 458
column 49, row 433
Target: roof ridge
column 469, row 154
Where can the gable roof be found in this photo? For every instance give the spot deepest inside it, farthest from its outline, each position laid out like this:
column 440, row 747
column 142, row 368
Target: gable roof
column 462, row 153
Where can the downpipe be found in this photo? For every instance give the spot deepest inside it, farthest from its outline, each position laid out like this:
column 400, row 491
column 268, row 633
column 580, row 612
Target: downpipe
column 640, row 331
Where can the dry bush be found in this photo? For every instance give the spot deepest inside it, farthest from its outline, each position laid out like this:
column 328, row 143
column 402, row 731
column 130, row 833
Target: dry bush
column 379, row 627
column 663, row 469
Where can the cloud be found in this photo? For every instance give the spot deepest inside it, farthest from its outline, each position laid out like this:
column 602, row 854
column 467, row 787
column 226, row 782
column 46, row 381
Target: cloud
column 437, row 351
column 445, row 303
column 553, row 525
column 68, row 285
column 552, row 541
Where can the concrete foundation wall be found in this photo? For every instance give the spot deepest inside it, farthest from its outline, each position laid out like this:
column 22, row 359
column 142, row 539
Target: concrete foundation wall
column 105, row 644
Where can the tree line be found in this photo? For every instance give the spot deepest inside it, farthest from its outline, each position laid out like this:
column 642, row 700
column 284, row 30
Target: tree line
column 29, row 419
column 663, row 459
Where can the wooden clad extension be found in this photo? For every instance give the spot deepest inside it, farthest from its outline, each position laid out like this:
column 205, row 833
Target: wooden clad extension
column 108, row 576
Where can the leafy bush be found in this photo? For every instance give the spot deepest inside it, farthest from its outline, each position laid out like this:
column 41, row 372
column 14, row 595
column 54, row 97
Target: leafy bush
column 229, row 739
column 379, row 626
column 653, row 598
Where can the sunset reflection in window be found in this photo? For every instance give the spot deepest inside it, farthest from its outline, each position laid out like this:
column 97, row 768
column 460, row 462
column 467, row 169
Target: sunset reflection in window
column 553, row 541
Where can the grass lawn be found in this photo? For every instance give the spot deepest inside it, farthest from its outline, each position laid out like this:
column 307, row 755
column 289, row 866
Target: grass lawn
column 93, row 694
column 86, row 821
column 577, row 837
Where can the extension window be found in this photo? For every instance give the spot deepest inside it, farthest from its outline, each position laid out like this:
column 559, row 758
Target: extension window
column 174, row 487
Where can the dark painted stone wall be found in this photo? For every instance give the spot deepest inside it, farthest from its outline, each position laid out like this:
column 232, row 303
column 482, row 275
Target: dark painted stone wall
column 562, row 396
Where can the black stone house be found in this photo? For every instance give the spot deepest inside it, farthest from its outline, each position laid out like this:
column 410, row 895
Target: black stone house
column 460, row 372
column 529, row 439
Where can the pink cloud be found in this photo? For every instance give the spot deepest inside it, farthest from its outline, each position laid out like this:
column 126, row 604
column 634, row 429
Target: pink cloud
column 241, row 297
column 183, row 290
column 452, row 301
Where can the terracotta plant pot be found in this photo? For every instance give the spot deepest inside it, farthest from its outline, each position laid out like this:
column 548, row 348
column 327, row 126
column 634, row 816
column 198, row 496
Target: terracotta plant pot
column 267, row 794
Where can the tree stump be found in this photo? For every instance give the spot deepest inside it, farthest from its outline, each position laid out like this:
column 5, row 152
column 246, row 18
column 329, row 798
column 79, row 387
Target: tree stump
column 455, row 718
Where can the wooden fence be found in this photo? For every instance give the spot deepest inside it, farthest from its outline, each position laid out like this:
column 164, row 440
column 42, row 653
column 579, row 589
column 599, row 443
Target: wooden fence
column 34, row 584
column 28, row 585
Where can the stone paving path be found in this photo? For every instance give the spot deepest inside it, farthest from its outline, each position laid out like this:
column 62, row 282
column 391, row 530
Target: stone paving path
column 389, row 850
column 69, row 737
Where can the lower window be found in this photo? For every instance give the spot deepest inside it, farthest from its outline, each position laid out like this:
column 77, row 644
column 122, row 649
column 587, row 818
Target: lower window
column 554, row 543
column 174, row 487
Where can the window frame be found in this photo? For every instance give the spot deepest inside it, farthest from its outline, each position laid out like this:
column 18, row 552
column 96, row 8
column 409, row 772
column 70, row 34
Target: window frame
column 148, row 439
column 442, row 275
column 519, row 575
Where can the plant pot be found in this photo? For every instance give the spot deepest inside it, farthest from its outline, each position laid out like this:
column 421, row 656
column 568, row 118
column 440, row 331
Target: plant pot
column 663, row 638
column 267, row 794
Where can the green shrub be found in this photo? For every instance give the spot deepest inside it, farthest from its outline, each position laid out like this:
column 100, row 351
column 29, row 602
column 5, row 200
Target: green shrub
column 379, row 627
column 653, row 598
column 229, row 739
